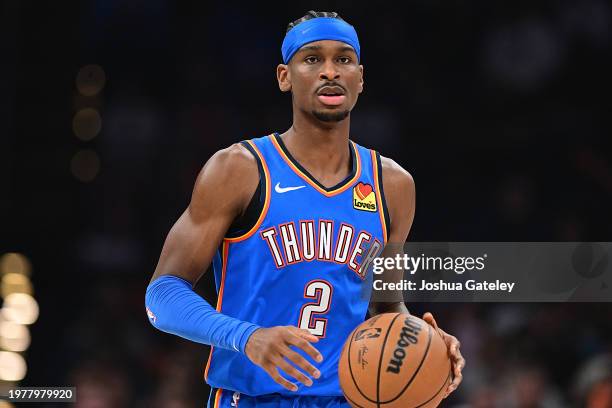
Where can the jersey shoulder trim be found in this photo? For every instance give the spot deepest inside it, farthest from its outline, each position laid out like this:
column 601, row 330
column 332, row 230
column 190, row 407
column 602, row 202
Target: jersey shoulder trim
column 382, row 203
column 265, row 174
column 248, row 219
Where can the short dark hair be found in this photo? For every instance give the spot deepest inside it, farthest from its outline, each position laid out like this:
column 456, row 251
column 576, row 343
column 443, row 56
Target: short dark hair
column 313, row 14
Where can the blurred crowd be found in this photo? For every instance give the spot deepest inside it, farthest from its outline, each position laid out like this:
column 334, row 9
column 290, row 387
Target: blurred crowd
column 495, row 108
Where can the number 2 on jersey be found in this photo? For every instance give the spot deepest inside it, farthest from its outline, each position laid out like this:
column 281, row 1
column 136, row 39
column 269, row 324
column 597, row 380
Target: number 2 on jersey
column 321, row 291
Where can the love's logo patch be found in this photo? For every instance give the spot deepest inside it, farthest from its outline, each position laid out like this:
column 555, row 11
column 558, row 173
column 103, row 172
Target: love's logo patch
column 364, row 197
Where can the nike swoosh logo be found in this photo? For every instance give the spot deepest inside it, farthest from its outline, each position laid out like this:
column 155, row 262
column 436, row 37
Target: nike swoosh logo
column 281, row 190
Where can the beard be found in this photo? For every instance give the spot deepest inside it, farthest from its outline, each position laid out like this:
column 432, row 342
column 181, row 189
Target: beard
column 331, row 116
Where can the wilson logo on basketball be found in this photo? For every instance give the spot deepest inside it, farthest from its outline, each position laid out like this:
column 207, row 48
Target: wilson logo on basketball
column 364, row 197
column 409, row 335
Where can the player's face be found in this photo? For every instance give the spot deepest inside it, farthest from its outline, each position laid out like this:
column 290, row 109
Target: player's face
column 325, row 79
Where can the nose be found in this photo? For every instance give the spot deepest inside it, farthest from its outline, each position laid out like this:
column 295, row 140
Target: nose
column 329, row 71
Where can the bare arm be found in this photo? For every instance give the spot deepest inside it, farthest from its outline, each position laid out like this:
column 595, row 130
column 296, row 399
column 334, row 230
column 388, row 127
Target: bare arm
column 221, row 193
column 399, row 189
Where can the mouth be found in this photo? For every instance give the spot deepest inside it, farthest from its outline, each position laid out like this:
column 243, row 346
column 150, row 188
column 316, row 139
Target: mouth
column 331, row 95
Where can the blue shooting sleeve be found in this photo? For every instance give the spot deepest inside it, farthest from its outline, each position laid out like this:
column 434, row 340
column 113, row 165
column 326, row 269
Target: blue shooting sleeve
column 173, row 307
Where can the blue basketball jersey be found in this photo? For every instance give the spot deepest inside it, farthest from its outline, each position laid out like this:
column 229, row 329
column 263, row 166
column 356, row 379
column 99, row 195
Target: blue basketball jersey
column 300, row 264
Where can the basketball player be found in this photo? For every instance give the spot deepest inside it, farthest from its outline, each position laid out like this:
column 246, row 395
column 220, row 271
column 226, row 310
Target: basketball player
column 286, row 220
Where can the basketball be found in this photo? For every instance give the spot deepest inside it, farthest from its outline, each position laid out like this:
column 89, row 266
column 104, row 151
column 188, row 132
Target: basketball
column 394, row 360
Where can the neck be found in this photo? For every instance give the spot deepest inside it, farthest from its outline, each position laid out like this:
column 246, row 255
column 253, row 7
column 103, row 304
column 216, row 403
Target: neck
column 320, row 147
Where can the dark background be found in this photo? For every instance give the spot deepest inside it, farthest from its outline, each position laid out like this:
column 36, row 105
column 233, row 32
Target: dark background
column 498, row 109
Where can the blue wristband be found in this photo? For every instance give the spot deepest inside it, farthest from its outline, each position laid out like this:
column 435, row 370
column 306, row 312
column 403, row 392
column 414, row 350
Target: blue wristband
column 173, row 307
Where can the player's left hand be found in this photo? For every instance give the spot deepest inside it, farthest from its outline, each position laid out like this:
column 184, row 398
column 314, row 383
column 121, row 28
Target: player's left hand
column 457, row 360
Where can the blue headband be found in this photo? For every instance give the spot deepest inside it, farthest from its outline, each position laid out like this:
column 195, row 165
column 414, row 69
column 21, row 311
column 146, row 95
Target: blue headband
column 317, row 29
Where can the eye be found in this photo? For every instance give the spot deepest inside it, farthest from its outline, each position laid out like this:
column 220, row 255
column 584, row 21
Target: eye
column 311, row 59
column 344, row 60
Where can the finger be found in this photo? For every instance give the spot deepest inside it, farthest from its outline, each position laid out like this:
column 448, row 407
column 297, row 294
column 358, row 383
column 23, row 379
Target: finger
column 301, row 362
column 294, row 372
column 428, row 317
column 458, row 366
column 453, row 341
column 306, row 347
column 273, row 372
column 455, row 352
column 456, row 381
column 456, row 356
column 449, row 389
column 305, row 334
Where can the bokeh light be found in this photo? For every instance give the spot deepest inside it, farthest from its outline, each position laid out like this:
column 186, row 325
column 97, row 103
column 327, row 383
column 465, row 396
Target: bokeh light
column 90, row 80
column 12, row 366
column 20, row 308
column 13, row 262
column 15, row 283
column 14, row 336
column 86, row 124
column 85, row 165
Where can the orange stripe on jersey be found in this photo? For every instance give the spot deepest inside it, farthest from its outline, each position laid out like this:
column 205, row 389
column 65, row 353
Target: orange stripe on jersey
column 224, row 252
column 379, row 196
column 208, row 364
column 217, row 398
column 307, row 179
column 266, row 202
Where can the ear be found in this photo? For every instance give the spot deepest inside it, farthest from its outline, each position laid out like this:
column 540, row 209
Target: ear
column 283, row 77
column 361, row 78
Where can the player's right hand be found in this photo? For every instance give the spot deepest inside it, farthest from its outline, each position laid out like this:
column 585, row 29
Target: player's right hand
column 270, row 349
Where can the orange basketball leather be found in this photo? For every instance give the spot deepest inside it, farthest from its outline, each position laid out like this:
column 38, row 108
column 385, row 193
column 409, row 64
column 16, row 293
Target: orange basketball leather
column 395, row 360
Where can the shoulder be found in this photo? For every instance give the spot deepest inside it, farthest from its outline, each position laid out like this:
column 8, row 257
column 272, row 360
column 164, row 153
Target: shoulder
column 230, row 176
column 234, row 160
column 395, row 177
column 231, row 163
